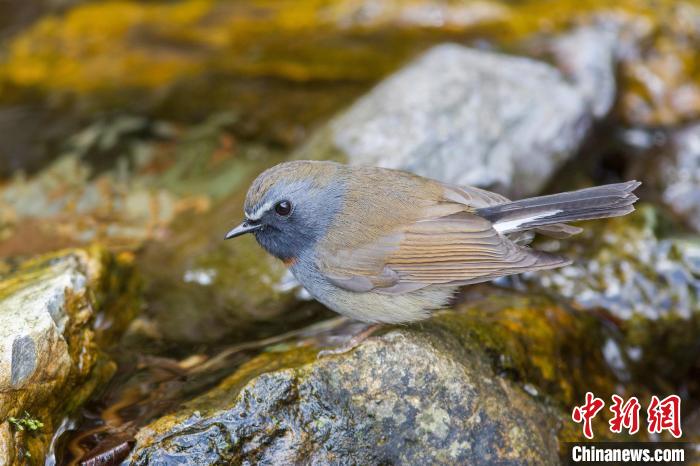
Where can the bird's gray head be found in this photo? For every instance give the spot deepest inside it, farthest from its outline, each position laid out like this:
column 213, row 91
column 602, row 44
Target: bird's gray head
column 290, row 206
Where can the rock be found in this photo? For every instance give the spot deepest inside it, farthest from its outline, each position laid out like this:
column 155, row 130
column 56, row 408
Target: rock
column 680, row 176
column 66, row 205
column 346, row 410
column 145, row 54
column 622, row 266
column 465, row 117
column 58, row 312
column 587, row 56
column 160, row 52
column 481, row 385
column 646, row 286
column 212, row 290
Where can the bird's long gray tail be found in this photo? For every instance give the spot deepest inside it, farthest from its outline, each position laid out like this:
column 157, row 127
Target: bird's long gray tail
column 612, row 200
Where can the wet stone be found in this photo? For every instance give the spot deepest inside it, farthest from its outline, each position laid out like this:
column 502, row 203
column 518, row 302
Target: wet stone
column 644, row 286
column 407, row 397
column 622, row 266
column 50, row 344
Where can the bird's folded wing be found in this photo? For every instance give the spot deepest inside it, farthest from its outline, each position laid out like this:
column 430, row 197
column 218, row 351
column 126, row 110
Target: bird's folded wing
column 451, row 250
column 473, row 197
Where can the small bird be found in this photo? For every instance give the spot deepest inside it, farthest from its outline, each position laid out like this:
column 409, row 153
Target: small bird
column 387, row 246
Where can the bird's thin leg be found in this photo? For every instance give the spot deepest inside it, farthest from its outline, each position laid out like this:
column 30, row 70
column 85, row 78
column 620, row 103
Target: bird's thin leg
column 352, row 343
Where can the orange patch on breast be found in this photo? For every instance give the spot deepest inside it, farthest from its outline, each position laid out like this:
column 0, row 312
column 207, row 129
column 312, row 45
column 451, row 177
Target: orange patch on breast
column 290, row 261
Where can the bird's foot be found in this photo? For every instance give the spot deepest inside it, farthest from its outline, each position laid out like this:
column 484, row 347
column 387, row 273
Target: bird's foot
column 352, row 343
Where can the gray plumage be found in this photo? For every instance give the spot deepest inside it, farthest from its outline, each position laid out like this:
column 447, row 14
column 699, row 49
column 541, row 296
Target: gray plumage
column 383, row 245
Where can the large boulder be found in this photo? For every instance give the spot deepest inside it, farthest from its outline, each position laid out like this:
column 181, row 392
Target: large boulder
column 58, row 312
column 466, row 117
column 398, row 399
column 490, row 383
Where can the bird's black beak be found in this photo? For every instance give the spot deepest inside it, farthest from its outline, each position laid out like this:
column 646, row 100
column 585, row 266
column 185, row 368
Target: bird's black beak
column 242, row 229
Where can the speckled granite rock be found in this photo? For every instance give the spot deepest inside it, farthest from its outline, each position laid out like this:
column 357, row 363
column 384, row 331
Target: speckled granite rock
column 56, row 312
column 463, row 116
column 422, row 394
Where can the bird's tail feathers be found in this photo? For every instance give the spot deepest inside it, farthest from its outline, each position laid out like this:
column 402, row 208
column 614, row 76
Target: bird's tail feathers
column 612, row 200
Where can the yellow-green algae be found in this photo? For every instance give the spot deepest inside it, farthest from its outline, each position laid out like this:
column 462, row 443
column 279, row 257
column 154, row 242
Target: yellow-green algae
column 555, row 349
column 112, row 291
column 105, row 47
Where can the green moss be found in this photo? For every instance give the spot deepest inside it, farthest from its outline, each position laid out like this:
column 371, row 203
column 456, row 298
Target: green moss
column 124, row 43
column 26, row 422
column 284, row 66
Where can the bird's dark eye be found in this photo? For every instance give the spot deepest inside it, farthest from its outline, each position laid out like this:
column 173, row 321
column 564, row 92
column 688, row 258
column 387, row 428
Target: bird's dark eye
column 283, row 208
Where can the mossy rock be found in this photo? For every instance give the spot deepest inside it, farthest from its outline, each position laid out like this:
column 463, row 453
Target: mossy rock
column 98, row 48
column 490, row 382
column 645, row 285
column 59, row 312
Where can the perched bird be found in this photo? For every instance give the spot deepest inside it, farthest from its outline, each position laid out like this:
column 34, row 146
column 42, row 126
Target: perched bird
column 386, row 246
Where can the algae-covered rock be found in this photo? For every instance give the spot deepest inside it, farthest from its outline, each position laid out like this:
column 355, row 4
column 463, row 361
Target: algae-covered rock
column 186, row 59
column 66, row 205
column 647, row 286
column 402, row 398
column 202, row 289
column 549, row 348
column 57, row 312
column 489, row 383
column 465, row 117
column 104, row 45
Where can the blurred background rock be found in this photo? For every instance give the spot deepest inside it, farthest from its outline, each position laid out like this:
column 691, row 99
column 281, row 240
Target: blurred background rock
column 130, row 130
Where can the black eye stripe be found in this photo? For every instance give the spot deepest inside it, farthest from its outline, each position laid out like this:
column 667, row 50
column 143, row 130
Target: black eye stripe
column 283, row 208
